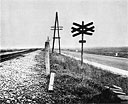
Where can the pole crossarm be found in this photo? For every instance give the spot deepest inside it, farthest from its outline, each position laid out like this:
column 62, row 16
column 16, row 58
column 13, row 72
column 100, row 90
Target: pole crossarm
column 56, row 27
column 56, row 37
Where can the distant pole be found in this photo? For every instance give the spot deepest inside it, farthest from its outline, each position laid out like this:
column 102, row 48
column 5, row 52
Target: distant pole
column 56, row 27
column 54, row 33
column 58, row 31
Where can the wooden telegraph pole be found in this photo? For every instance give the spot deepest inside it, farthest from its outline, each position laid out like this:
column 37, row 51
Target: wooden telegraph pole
column 56, row 27
column 82, row 29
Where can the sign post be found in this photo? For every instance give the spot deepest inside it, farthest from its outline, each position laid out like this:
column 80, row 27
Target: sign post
column 82, row 29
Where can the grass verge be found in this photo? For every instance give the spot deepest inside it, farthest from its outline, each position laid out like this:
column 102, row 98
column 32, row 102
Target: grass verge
column 77, row 85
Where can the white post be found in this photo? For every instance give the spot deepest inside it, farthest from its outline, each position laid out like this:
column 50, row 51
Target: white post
column 50, row 87
column 116, row 54
column 47, row 61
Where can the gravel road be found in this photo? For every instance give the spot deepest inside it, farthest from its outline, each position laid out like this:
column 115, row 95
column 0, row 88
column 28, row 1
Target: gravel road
column 117, row 62
column 23, row 80
column 113, row 64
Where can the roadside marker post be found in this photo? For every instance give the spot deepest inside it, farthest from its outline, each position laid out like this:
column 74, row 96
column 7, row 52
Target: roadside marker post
column 51, row 82
column 56, row 27
column 82, row 29
column 47, row 60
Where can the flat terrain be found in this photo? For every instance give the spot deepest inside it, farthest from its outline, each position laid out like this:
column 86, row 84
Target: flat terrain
column 23, row 80
column 117, row 62
column 109, row 51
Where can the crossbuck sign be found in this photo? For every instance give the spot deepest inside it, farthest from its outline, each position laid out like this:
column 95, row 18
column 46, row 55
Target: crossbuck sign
column 84, row 29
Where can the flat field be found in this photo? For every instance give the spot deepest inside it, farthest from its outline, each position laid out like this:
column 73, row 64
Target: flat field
column 107, row 51
column 9, row 50
column 111, row 51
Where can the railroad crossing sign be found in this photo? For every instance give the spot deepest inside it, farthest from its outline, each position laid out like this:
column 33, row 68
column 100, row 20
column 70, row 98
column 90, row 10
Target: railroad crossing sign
column 86, row 29
column 56, row 27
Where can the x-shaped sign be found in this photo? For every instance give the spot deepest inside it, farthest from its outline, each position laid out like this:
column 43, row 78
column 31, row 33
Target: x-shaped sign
column 82, row 29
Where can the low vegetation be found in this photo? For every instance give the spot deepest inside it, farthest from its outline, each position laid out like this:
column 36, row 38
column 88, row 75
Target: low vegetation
column 79, row 85
column 110, row 51
column 13, row 50
column 9, row 50
column 114, row 51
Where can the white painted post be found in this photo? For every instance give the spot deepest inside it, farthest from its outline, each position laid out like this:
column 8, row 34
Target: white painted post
column 116, row 54
column 47, row 60
column 50, row 87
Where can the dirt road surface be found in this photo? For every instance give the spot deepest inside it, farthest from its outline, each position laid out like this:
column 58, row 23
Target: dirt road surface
column 112, row 62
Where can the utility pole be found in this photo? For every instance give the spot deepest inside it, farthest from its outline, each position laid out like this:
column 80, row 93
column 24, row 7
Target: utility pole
column 56, row 27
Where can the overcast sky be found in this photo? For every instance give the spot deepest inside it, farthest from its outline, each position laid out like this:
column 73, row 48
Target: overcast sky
column 26, row 23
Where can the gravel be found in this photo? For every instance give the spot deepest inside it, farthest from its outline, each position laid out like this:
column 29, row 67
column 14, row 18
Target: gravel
column 23, row 80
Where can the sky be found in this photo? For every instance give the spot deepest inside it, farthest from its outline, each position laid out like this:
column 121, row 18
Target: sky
column 26, row 23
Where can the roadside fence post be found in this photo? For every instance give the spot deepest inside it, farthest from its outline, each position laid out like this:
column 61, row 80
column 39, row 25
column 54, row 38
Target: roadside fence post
column 47, row 60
